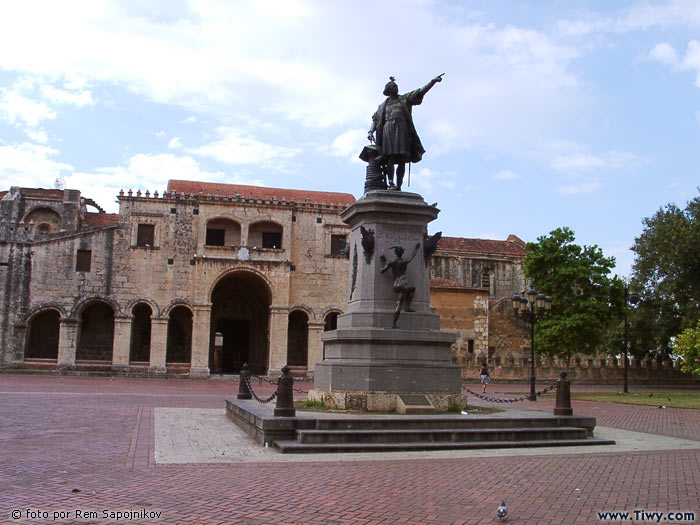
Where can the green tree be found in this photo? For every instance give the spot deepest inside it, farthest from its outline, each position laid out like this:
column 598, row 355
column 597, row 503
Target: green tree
column 585, row 300
column 687, row 344
column 666, row 272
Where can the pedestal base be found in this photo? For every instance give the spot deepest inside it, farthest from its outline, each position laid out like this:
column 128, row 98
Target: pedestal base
column 380, row 401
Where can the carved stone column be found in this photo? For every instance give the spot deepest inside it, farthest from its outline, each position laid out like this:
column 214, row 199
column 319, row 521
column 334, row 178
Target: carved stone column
column 279, row 324
column 315, row 345
column 201, row 326
column 122, row 340
column 67, row 342
column 159, row 344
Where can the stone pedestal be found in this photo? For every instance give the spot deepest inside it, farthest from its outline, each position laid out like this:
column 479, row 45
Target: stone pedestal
column 367, row 362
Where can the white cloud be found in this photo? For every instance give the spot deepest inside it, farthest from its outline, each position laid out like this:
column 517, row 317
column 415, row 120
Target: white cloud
column 146, row 172
column 189, row 120
column 575, row 189
column 30, row 101
column 506, row 175
column 427, row 180
column 17, row 109
column 175, row 143
column 349, row 144
column 30, row 165
column 60, row 96
column 588, row 161
column 664, row 53
column 236, row 147
column 160, row 134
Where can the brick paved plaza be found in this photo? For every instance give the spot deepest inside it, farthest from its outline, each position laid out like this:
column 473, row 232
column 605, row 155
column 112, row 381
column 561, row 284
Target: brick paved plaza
column 88, row 444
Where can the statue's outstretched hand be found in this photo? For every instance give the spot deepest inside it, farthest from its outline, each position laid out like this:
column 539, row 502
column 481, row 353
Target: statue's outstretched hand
column 438, row 78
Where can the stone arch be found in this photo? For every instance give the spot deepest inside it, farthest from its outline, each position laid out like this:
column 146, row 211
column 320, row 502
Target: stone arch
column 96, row 330
column 140, row 341
column 179, row 339
column 266, row 234
column 155, row 309
column 46, row 220
column 223, row 231
column 174, row 304
column 240, row 319
column 298, row 338
column 80, row 304
column 41, row 307
column 305, row 308
column 330, row 319
column 44, row 328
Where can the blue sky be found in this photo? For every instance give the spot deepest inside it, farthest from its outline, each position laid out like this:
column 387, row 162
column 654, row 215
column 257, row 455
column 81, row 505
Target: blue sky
column 551, row 113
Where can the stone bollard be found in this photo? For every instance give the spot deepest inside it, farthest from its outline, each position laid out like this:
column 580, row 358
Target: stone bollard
column 243, row 390
column 562, row 407
column 285, row 395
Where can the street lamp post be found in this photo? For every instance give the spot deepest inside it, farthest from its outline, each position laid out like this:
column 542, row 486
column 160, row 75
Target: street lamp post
column 530, row 309
column 630, row 298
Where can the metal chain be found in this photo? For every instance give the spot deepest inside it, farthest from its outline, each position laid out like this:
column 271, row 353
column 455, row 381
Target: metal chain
column 255, row 396
column 261, row 379
column 551, row 387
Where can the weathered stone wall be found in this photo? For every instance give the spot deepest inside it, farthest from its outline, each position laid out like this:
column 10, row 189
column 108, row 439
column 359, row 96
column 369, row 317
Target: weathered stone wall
column 463, row 312
column 584, row 370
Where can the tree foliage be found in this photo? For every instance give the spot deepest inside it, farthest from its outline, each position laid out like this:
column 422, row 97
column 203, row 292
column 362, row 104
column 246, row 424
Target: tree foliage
column 687, row 344
column 666, row 271
column 585, row 300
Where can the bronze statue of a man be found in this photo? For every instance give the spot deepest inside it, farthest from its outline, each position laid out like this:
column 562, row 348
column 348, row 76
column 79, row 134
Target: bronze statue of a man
column 396, row 139
column 401, row 286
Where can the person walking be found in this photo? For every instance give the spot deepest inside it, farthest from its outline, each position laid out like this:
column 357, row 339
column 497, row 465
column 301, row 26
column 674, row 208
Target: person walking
column 484, row 378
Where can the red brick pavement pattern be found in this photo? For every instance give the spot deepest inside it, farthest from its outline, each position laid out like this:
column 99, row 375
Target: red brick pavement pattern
column 95, row 435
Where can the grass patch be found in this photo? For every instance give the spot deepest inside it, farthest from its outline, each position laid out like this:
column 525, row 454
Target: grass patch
column 668, row 399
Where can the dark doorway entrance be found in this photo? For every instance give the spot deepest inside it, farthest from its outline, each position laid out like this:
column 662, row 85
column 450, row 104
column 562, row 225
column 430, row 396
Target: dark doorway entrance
column 233, row 348
column 44, row 331
column 140, row 351
column 96, row 336
column 298, row 339
column 239, row 323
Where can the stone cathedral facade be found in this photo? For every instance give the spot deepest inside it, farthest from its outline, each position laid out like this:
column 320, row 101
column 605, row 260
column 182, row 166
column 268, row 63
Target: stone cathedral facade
column 205, row 277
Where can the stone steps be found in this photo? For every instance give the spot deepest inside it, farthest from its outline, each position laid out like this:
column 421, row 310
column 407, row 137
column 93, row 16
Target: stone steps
column 445, row 435
column 292, row 447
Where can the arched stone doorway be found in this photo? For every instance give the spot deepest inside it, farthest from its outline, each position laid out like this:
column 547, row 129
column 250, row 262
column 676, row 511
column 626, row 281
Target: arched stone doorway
column 298, row 339
column 44, row 329
column 331, row 321
column 96, row 337
column 140, row 350
column 240, row 314
column 179, row 345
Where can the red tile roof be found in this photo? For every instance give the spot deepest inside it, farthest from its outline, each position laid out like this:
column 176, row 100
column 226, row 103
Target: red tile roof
column 189, row 187
column 39, row 193
column 442, row 282
column 483, row 246
column 94, row 220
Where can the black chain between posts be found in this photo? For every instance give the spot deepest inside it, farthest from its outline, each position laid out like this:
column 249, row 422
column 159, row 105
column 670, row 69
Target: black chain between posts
column 266, row 380
column 550, row 388
column 252, row 392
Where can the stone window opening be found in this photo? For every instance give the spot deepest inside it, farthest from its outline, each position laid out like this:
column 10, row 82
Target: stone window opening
column 486, row 280
column 265, row 235
column 83, row 260
column 330, row 322
column 470, row 346
column 223, row 232
column 338, row 242
column 298, row 339
column 145, row 235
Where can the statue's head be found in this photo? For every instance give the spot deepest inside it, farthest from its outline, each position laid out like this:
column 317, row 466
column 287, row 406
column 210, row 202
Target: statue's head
column 391, row 88
column 398, row 250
